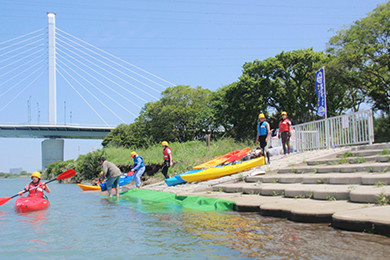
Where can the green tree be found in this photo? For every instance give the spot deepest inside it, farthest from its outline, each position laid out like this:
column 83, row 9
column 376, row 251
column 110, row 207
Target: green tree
column 364, row 49
column 282, row 83
column 182, row 114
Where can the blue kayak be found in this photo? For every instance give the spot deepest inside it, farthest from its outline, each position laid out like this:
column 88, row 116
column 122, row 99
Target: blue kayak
column 177, row 179
column 124, row 179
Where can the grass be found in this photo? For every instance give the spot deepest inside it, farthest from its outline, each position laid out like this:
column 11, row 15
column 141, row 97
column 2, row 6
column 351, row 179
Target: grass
column 321, row 181
column 347, row 154
column 330, row 198
column 382, row 199
column 384, row 152
column 185, row 155
column 379, row 184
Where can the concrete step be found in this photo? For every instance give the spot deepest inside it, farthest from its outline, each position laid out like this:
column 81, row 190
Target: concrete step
column 306, row 210
column 371, row 220
column 370, row 194
column 353, row 193
column 360, row 178
column 350, row 160
column 363, row 167
column 341, row 214
column 378, row 146
column 360, row 153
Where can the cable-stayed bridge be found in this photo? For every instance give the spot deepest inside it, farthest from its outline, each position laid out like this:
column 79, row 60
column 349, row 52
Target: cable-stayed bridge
column 93, row 86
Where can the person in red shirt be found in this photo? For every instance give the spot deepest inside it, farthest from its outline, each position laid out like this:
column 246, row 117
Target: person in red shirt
column 167, row 152
column 285, row 132
column 35, row 187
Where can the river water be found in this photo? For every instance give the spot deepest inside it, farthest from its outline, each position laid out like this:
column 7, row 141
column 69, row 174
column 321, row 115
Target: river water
column 85, row 225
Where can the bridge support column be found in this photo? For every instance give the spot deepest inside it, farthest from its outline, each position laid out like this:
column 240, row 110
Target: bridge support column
column 52, row 151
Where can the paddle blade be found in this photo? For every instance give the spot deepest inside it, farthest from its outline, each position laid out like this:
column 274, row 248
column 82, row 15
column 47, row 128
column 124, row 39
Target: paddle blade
column 4, row 200
column 66, row 174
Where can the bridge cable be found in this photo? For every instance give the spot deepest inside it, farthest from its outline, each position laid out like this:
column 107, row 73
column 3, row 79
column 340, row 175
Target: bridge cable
column 86, row 89
column 125, row 89
column 116, row 92
column 146, row 85
column 22, row 36
column 17, row 95
column 20, row 53
column 101, row 82
column 20, row 81
column 59, row 72
column 23, row 46
column 116, row 102
column 105, row 69
column 21, row 65
column 20, row 59
column 121, row 60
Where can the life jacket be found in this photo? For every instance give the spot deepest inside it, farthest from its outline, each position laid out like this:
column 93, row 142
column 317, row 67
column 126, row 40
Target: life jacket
column 32, row 191
column 284, row 125
column 262, row 128
column 166, row 154
column 142, row 164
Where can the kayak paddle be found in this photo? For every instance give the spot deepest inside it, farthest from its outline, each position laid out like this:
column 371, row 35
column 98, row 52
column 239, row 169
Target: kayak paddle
column 65, row 175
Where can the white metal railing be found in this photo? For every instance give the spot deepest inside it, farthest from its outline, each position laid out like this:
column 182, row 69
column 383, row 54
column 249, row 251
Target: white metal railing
column 351, row 129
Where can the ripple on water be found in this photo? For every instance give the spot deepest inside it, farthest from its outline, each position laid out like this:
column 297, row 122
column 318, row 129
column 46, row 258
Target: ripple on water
column 82, row 225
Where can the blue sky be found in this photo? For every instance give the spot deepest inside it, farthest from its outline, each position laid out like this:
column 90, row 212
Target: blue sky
column 196, row 43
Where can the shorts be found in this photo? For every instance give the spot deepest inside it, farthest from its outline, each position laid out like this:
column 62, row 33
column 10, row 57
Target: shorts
column 263, row 143
column 113, row 182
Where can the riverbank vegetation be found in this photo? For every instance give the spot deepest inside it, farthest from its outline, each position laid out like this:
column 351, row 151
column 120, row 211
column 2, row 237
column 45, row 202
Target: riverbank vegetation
column 5, row 175
column 357, row 63
column 185, row 156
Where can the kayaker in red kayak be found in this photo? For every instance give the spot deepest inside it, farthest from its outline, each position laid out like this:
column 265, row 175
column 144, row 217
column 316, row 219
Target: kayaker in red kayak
column 36, row 187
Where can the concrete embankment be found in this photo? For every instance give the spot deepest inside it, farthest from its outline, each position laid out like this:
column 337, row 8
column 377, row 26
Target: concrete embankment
column 346, row 187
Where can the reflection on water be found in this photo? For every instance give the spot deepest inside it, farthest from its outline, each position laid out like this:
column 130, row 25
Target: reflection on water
column 270, row 238
column 82, row 225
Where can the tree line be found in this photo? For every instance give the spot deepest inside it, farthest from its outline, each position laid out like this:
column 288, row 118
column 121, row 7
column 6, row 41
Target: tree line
column 357, row 62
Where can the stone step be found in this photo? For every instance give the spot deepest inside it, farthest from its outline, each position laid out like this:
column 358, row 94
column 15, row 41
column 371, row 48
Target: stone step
column 371, row 147
column 350, row 160
column 370, row 194
column 340, row 214
column 361, row 178
column 353, row 193
column 371, row 220
column 363, row 167
column 360, row 153
column 306, row 210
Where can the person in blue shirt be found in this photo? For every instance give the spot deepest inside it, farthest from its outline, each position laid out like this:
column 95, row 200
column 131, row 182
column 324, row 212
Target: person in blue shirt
column 263, row 135
column 138, row 168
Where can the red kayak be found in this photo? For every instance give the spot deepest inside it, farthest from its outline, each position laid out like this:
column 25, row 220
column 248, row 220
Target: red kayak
column 28, row 204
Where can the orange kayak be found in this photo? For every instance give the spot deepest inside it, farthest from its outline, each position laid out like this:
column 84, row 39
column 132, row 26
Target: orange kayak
column 217, row 172
column 88, row 187
column 221, row 159
column 238, row 156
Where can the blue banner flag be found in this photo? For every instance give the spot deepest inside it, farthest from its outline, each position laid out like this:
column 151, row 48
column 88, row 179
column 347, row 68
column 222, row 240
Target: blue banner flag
column 321, row 95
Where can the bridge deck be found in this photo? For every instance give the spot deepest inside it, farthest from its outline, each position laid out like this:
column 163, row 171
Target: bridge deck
column 54, row 131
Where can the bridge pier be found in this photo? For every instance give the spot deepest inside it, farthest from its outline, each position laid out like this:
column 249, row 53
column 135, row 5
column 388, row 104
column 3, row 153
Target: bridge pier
column 52, row 151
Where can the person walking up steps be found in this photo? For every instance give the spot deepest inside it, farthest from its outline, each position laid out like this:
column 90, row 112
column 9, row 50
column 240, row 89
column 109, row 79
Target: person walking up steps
column 263, row 135
column 167, row 152
column 138, row 168
column 285, row 132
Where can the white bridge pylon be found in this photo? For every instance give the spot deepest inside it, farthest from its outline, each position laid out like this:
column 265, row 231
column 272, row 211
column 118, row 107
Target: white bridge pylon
column 91, row 73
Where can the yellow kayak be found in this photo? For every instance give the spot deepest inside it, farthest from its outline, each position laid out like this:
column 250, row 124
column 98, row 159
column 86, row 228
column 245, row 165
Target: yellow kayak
column 88, row 187
column 217, row 172
column 220, row 159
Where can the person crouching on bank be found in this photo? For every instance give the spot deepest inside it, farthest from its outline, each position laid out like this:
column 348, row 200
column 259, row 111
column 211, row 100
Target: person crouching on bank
column 138, row 168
